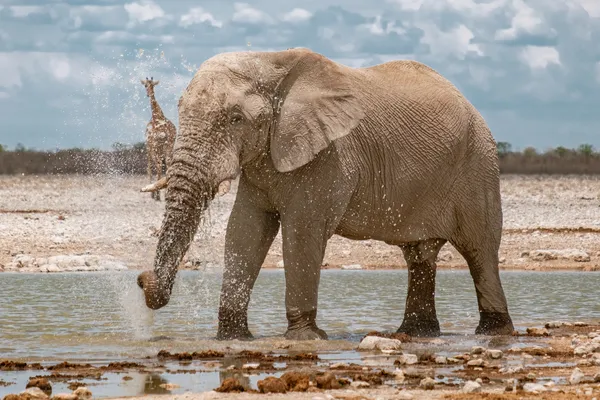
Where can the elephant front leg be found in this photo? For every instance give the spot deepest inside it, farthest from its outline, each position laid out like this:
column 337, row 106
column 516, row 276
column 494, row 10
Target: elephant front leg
column 303, row 252
column 420, row 318
column 250, row 233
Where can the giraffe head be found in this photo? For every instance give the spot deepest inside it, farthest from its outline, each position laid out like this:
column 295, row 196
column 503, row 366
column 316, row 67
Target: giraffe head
column 149, row 85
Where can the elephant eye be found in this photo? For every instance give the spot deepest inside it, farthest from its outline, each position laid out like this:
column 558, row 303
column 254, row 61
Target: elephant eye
column 236, row 119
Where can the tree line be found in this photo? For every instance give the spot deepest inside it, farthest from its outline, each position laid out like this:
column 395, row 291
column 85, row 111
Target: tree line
column 131, row 159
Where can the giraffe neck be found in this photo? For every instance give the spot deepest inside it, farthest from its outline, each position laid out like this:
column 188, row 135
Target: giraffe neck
column 157, row 113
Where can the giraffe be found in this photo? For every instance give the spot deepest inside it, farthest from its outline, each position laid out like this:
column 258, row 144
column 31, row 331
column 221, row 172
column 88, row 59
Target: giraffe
column 160, row 136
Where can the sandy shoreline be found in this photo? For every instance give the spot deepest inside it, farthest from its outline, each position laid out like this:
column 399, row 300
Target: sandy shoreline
column 107, row 216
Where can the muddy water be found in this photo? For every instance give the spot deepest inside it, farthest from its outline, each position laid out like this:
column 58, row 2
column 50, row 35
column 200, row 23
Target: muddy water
column 101, row 316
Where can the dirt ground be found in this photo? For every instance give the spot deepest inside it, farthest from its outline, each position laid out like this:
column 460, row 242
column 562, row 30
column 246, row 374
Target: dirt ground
column 44, row 216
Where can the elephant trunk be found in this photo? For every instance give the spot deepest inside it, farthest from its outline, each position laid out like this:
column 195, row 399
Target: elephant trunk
column 190, row 190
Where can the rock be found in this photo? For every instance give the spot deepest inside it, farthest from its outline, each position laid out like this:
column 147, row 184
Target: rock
column 399, row 375
column 251, row 366
column 407, row 359
column 230, row 385
column 471, row 387
column 379, row 343
column 41, row 383
column 280, row 264
column 556, row 324
column 477, row 350
column 563, row 254
column 83, row 393
column 33, row 393
column 360, row 384
column 272, row 385
column 511, row 370
column 596, row 359
column 579, row 323
column 538, row 332
column 576, row 376
column 404, row 396
column 427, row 384
column 352, row 266
column 534, row 388
column 453, row 360
column 478, row 362
column 296, row 381
column 64, row 396
column 328, row 381
column 494, row 354
column 441, row 360
column 444, row 256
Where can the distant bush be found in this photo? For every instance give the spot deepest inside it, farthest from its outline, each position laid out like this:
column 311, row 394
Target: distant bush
column 131, row 159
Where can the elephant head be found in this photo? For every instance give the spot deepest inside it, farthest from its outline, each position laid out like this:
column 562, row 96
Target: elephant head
column 238, row 107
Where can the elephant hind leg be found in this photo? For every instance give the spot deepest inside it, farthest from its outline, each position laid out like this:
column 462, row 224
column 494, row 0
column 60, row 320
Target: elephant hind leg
column 480, row 250
column 420, row 318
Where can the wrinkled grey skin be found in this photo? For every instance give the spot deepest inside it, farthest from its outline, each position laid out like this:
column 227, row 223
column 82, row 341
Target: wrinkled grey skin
column 392, row 152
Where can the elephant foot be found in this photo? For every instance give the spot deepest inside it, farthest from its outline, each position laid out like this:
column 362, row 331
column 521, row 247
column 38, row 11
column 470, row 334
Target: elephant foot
column 308, row 333
column 420, row 327
column 234, row 335
column 494, row 323
column 233, row 325
column 302, row 326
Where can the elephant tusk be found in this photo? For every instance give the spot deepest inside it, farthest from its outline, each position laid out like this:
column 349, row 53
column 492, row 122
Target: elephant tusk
column 160, row 184
column 224, row 188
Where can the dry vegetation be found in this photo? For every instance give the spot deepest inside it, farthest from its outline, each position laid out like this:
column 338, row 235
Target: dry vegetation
column 132, row 160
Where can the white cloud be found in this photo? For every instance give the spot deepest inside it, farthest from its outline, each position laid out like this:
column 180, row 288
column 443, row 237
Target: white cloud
column 477, row 8
column 410, row 5
column 24, row 11
column 455, row 42
column 60, row 68
column 539, row 57
column 245, row 13
column 197, row 15
column 526, row 20
column 144, row 10
column 591, row 6
column 297, row 15
column 376, row 28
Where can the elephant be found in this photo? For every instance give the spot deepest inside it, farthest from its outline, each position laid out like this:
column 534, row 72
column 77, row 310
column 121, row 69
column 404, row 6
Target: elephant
column 392, row 152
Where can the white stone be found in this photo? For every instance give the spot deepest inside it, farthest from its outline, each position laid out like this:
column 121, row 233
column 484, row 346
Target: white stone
column 404, row 396
column 477, row 350
column 408, row 359
column 399, row 375
column 441, row 360
column 34, row 393
column 471, row 387
column 427, row 383
column 251, row 366
column 478, row 362
column 280, row 264
column 563, row 254
column 359, row 384
column 379, row 343
column 494, row 354
column 352, row 266
column 83, row 393
column 533, row 388
column 444, row 256
column 576, row 376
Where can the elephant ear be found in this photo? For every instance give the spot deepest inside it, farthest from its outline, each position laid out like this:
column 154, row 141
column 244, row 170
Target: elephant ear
column 314, row 105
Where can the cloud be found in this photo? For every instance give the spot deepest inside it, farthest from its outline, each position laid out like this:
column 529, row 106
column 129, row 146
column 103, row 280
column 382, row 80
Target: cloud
column 197, row 15
column 142, row 11
column 297, row 15
column 246, row 14
column 539, row 57
column 532, row 67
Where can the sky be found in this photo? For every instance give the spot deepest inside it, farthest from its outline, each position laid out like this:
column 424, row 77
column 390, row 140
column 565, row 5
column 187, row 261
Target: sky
column 70, row 70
